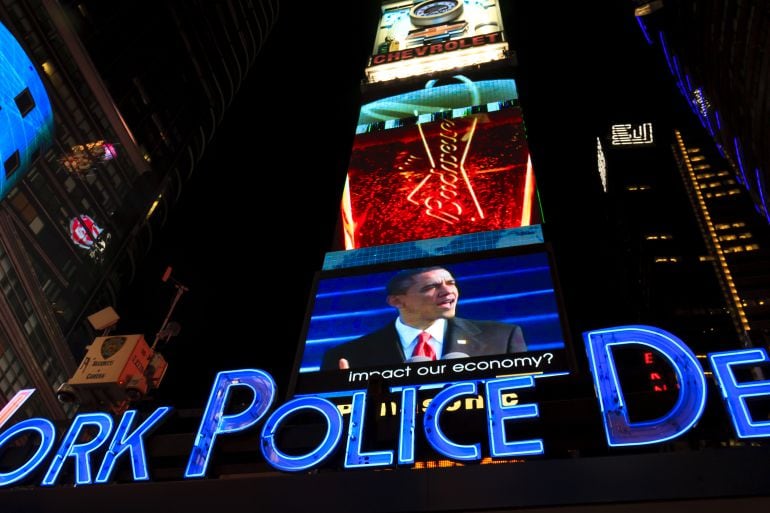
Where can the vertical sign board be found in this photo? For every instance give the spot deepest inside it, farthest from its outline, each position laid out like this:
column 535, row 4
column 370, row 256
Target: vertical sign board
column 446, row 159
column 415, row 38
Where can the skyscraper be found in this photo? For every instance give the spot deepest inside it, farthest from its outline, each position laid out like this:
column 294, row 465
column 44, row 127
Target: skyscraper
column 136, row 92
column 716, row 54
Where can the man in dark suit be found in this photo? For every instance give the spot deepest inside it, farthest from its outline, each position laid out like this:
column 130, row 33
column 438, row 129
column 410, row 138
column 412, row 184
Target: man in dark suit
column 426, row 327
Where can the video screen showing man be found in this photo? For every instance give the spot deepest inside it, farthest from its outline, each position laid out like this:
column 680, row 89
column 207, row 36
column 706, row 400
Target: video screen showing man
column 426, row 327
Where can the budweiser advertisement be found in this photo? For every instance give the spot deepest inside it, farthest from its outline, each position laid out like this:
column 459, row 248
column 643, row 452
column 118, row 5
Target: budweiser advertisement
column 420, row 37
column 441, row 178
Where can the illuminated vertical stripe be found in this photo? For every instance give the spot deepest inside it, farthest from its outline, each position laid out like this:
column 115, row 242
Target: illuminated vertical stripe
column 723, row 270
column 760, row 187
column 642, row 26
column 737, row 145
column 665, row 51
column 14, row 404
column 529, row 189
column 465, row 173
column 348, row 223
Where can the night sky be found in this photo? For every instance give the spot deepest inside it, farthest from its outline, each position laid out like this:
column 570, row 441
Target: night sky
column 254, row 223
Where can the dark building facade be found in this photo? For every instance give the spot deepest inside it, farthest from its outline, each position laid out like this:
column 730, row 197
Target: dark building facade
column 137, row 92
column 717, row 54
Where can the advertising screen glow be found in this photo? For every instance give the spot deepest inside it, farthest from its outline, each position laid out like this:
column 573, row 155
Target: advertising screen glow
column 438, row 179
column 502, row 317
column 434, row 35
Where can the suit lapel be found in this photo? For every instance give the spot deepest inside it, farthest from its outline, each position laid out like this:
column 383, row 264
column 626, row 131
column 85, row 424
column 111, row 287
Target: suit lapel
column 462, row 337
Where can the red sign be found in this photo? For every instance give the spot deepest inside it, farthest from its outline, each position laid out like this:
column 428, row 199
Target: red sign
column 438, row 179
column 84, row 231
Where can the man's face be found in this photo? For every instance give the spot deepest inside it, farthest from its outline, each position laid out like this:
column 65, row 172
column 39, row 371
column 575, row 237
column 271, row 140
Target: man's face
column 432, row 295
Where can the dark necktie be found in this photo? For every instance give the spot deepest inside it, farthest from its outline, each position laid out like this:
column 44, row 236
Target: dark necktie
column 423, row 348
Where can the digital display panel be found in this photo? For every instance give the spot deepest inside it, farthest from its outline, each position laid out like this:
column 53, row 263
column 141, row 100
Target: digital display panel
column 439, row 98
column 26, row 118
column 500, row 312
column 434, row 35
column 438, row 179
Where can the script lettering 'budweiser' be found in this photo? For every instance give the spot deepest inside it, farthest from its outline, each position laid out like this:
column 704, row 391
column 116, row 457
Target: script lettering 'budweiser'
column 446, row 177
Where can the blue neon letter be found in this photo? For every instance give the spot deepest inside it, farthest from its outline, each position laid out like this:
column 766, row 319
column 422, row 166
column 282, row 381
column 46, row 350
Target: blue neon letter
column 47, row 432
column 122, row 442
column 692, row 384
column 215, row 422
column 433, row 432
column 79, row 451
column 42, row 427
column 289, row 463
column 406, row 436
column 353, row 455
column 498, row 413
column 735, row 393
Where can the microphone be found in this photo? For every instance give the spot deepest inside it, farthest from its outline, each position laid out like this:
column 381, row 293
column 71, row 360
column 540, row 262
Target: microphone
column 455, row 355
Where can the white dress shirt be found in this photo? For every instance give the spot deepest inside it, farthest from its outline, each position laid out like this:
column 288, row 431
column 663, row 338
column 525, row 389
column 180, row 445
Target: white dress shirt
column 408, row 336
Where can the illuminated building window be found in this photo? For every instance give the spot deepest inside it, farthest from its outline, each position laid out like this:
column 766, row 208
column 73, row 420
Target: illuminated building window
column 752, row 247
column 734, row 249
column 723, row 173
column 705, row 176
column 716, row 195
column 733, row 192
column 722, row 226
column 746, row 235
column 706, row 258
column 738, row 225
column 697, row 158
column 666, row 260
column 727, row 237
column 708, row 195
column 638, row 187
column 659, row 236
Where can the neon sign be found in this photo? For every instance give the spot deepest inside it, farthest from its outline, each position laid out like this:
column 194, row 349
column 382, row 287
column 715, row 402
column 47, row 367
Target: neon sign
column 128, row 440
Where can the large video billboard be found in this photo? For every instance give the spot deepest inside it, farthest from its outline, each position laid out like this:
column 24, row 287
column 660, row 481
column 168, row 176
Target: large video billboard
column 437, row 179
column 417, row 37
column 500, row 309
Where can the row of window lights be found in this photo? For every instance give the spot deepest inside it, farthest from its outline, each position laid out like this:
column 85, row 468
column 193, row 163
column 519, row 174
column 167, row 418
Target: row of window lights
column 727, row 226
column 711, row 185
column 732, row 236
column 706, row 176
column 638, row 188
column 741, row 249
column 756, row 302
column 659, row 236
column 731, row 192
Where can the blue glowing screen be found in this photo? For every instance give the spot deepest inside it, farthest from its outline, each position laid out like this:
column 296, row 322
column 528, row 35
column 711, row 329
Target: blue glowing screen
column 26, row 118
